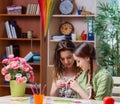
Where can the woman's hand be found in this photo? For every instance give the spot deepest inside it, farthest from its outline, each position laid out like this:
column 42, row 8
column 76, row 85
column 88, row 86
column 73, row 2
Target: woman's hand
column 74, row 85
column 60, row 83
column 56, row 85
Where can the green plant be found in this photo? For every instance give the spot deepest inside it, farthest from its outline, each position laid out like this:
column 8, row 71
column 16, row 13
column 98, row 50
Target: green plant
column 107, row 28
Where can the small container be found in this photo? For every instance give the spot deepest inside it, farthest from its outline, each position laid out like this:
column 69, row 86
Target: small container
column 14, row 9
column 78, row 37
column 73, row 36
column 38, row 98
column 29, row 34
column 84, row 36
column 79, row 11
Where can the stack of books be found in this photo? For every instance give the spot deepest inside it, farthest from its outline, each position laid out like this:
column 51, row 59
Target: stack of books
column 12, row 29
column 36, row 57
column 61, row 37
column 32, row 57
column 32, row 8
column 12, row 49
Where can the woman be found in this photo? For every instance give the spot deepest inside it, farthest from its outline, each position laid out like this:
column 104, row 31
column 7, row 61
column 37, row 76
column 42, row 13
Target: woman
column 93, row 82
column 65, row 69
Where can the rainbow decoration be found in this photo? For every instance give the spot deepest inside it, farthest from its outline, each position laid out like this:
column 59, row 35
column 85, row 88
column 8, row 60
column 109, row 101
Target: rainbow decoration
column 46, row 10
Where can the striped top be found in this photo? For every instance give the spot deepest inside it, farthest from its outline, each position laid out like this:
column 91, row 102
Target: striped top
column 102, row 83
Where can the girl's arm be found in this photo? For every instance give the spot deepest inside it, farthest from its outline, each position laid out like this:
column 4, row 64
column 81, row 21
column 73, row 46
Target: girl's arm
column 104, row 86
column 54, row 89
column 74, row 85
column 56, row 85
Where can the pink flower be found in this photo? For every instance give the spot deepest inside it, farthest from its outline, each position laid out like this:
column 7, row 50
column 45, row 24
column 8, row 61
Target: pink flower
column 25, row 79
column 11, row 56
column 7, row 67
column 26, row 68
column 31, row 76
column 22, row 60
column 4, row 61
column 3, row 71
column 14, row 65
column 19, row 80
column 16, row 58
column 16, row 68
column 30, row 68
column 8, row 77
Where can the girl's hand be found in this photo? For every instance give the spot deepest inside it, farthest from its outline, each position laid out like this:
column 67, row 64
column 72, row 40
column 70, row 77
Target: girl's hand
column 74, row 85
column 60, row 83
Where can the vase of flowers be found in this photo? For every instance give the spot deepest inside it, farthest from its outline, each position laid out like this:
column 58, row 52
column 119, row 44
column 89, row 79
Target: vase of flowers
column 17, row 89
column 17, row 71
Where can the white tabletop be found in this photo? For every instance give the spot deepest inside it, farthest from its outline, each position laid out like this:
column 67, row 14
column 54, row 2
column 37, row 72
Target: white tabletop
column 47, row 99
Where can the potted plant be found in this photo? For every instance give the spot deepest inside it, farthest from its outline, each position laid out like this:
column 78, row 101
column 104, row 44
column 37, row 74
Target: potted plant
column 107, row 28
column 18, row 72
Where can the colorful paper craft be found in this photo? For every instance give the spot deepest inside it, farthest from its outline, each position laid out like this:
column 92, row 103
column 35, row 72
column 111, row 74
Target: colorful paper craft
column 46, row 10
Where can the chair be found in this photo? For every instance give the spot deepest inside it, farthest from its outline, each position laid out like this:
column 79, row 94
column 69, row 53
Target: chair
column 116, row 89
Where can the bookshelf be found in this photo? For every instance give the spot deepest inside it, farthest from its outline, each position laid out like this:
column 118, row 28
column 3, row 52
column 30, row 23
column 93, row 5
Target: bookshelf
column 37, row 43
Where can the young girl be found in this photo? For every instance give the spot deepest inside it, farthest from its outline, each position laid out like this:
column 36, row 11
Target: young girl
column 93, row 82
column 65, row 69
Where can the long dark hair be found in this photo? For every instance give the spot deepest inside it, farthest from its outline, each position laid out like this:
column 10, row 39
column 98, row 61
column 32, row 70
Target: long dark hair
column 87, row 50
column 62, row 46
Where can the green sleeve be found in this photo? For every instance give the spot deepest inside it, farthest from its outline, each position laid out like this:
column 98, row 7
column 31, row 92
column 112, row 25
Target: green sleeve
column 103, row 85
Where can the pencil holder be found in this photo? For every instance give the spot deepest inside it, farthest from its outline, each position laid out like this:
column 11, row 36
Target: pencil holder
column 79, row 11
column 38, row 98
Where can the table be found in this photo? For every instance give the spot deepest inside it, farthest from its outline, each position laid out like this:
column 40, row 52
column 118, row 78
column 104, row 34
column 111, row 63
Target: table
column 47, row 100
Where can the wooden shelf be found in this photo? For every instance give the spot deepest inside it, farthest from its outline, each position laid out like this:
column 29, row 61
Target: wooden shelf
column 34, row 63
column 4, row 85
column 21, row 39
column 19, row 15
column 77, row 41
column 71, row 16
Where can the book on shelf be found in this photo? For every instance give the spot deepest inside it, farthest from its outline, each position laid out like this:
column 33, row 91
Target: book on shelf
column 32, row 8
column 32, row 57
column 38, row 9
column 12, row 29
column 28, row 9
column 16, row 50
column 12, row 49
column 8, row 30
column 36, row 57
column 7, row 49
column 29, row 56
column 16, row 28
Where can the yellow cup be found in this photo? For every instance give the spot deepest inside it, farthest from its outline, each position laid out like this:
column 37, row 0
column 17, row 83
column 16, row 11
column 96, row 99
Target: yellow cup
column 38, row 98
column 78, row 37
